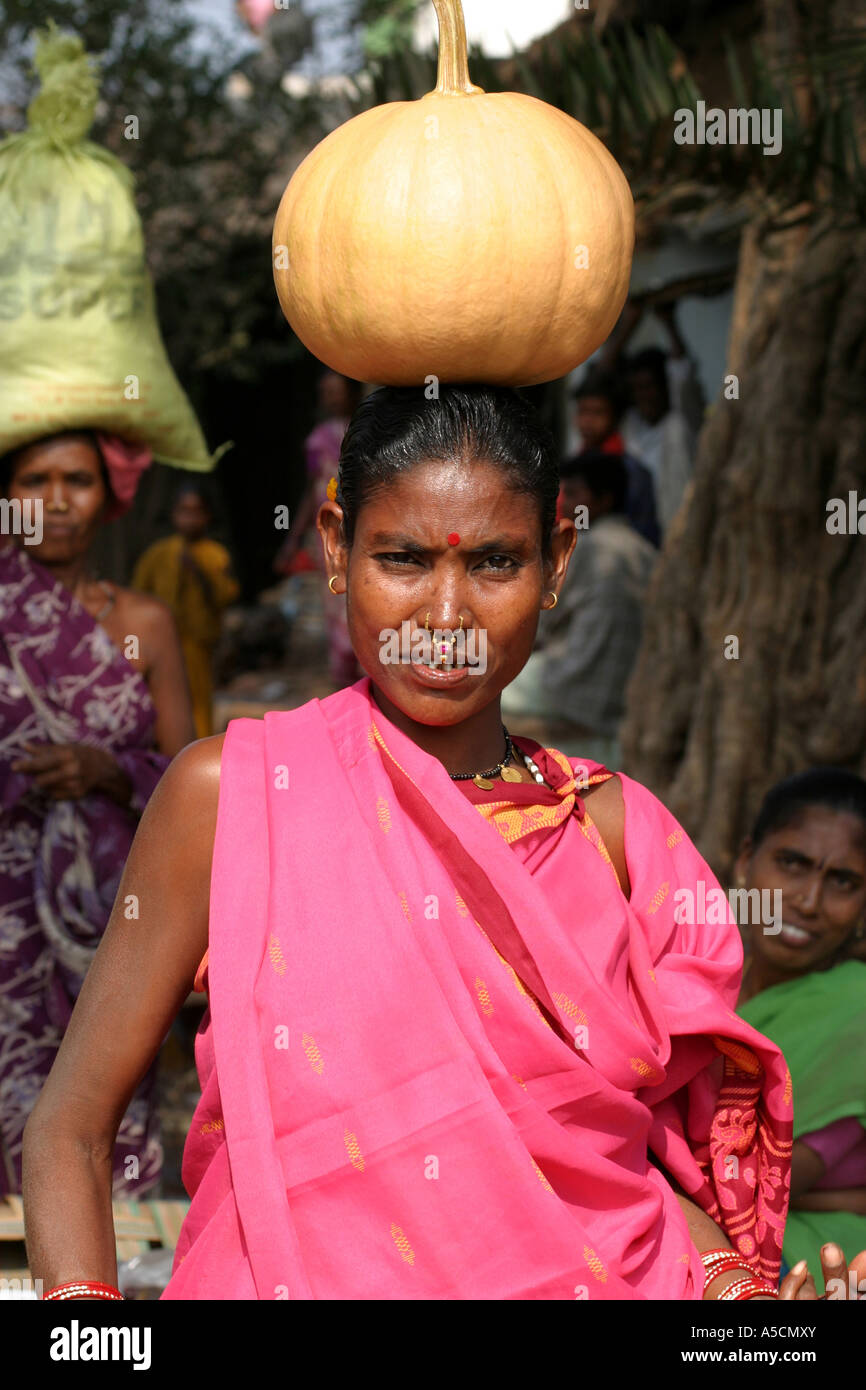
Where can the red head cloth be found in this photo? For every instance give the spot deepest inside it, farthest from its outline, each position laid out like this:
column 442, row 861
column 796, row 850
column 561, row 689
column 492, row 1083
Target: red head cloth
column 124, row 462
column 256, row 13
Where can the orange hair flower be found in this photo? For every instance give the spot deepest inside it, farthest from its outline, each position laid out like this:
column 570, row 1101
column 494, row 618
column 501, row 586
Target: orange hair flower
column 332, row 490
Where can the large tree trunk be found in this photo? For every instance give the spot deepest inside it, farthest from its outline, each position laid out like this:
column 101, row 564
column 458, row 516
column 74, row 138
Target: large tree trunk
column 749, row 556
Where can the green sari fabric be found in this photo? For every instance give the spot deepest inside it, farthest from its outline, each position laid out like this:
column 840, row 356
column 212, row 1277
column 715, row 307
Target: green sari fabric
column 819, row 1022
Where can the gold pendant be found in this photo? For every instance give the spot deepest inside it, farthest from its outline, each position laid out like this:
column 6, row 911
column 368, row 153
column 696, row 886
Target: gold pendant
column 483, row 783
column 510, row 774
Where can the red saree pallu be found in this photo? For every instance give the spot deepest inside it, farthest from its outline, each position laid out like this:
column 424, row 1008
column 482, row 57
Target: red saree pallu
column 434, row 1068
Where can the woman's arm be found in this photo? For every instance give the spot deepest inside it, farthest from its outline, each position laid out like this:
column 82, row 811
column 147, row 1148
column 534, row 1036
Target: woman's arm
column 807, row 1168
column 304, row 518
column 139, row 978
column 797, row 1285
column 706, row 1235
column 165, row 673
column 851, row 1199
column 703, row 1233
column 70, row 770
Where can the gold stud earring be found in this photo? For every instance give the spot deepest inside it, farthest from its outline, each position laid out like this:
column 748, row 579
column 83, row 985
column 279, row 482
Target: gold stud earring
column 331, row 583
column 555, row 598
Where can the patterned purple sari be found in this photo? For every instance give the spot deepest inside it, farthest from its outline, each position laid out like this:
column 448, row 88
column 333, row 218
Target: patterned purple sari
column 62, row 680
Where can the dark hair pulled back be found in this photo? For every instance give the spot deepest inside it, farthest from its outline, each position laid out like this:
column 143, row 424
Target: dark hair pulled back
column 397, row 427
column 835, row 788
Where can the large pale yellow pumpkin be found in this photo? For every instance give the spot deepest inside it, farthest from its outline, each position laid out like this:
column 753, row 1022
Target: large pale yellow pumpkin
column 468, row 236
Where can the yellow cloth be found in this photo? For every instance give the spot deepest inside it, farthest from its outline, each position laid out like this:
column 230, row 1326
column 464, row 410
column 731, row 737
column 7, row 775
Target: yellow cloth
column 161, row 572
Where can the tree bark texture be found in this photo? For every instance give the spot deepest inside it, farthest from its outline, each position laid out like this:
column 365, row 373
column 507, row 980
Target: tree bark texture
column 749, row 556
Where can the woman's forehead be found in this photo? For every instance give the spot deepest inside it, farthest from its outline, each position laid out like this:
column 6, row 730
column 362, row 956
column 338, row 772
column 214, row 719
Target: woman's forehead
column 818, row 829
column 458, row 497
column 66, row 449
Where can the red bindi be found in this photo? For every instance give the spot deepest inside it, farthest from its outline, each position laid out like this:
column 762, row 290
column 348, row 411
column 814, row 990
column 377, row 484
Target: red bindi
column 454, row 539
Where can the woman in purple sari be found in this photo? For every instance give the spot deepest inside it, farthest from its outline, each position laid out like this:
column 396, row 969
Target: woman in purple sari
column 93, row 705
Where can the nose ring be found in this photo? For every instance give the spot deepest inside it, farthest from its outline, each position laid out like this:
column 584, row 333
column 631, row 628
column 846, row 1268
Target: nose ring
column 443, row 647
column 453, row 635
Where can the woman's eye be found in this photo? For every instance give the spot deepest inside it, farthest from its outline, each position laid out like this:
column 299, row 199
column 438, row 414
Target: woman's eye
column 397, row 557
column 506, row 562
column 790, row 861
column 845, row 881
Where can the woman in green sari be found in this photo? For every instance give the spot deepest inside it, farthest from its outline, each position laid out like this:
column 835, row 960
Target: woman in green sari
column 804, row 986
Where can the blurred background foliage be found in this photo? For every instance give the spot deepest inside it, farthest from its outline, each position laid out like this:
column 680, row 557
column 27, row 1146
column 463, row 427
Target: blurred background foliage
column 388, row 25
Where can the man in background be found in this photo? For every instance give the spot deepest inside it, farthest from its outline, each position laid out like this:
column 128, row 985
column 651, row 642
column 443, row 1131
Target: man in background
column 599, row 406
column 571, row 693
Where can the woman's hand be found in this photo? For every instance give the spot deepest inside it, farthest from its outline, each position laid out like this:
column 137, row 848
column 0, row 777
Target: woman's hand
column 841, row 1281
column 66, row 771
column 139, row 978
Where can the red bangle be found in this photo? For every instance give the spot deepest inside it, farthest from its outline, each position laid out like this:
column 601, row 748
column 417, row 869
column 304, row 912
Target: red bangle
column 83, row 1288
column 743, row 1289
column 713, row 1257
column 718, row 1262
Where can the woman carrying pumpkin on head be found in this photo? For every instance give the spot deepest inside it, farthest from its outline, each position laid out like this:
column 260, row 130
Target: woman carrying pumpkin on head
column 457, row 1046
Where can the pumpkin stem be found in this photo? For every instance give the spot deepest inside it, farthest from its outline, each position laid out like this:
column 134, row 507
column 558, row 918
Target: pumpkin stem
column 453, row 76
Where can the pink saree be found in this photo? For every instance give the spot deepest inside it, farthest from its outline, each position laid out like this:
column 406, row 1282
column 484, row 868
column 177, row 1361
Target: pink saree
column 436, row 1068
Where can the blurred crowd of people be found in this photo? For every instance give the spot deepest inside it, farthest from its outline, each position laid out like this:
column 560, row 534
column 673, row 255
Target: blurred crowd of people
column 636, row 420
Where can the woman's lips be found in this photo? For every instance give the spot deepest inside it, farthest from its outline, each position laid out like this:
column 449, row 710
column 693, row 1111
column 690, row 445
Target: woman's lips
column 431, row 677
column 796, row 937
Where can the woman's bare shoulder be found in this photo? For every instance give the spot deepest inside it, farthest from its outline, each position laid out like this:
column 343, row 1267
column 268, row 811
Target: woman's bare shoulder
column 189, row 788
column 148, row 619
column 198, row 765
column 144, row 609
column 607, row 799
column 606, row 806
